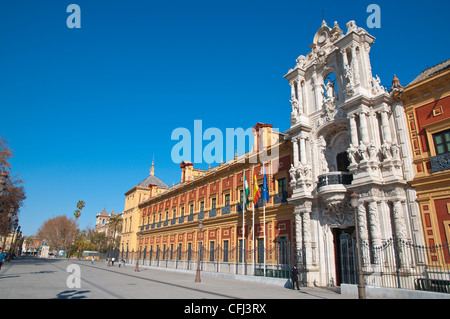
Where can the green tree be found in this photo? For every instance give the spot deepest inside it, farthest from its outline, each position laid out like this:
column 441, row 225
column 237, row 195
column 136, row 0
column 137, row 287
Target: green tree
column 77, row 213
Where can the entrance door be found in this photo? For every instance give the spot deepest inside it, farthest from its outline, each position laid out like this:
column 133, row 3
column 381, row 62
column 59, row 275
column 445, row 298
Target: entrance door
column 345, row 255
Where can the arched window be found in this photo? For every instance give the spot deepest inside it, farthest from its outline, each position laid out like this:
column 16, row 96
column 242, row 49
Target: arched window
column 342, row 162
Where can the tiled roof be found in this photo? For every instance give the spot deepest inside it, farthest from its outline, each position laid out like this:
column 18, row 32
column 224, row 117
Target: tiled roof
column 152, row 179
column 431, row 71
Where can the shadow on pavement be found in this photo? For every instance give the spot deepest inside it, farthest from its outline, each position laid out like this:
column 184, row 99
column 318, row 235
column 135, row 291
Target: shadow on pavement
column 72, row 294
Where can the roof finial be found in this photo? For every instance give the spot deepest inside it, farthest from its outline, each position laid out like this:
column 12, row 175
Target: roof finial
column 152, row 170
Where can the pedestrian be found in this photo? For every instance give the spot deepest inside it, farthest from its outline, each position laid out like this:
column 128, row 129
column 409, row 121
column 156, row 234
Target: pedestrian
column 112, row 261
column 294, row 277
column 92, row 260
column 2, row 258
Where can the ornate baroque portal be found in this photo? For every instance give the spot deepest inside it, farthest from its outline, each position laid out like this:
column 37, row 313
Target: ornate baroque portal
column 348, row 135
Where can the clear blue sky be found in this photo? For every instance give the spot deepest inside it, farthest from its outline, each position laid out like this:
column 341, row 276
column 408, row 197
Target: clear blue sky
column 85, row 110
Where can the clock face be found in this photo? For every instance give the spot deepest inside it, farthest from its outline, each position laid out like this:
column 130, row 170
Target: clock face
column 322, row 37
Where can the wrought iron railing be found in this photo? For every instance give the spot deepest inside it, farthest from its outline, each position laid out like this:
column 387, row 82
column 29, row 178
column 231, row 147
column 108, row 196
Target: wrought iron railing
column 440, row 162
column 334, row 178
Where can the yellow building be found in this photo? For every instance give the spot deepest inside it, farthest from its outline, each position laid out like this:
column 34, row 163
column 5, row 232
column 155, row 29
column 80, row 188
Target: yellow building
column 427, row 105
column 151, row 186
column 169, row 220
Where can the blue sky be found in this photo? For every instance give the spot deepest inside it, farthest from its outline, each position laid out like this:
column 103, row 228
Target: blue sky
column 85, row 110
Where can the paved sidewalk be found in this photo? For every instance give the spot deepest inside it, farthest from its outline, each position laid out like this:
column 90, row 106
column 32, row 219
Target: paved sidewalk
column 33, row 278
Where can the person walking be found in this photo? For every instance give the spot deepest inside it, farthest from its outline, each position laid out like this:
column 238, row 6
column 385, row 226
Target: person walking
column 2, row 258
column 294, row 277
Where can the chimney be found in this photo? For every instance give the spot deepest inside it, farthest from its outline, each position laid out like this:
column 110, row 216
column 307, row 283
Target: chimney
column 262, row 136
column 187, row 171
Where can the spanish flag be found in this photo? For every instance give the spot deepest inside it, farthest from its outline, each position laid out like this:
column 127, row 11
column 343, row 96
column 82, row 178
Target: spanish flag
column 256, row 191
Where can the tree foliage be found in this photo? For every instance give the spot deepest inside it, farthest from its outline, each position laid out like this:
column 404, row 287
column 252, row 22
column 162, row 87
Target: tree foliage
column 13, row 195
column 59, row 232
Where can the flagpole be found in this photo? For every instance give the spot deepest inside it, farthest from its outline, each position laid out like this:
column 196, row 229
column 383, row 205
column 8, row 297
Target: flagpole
column 253, row 225
column 243, row 223
column 264, row 233
column 253, row 236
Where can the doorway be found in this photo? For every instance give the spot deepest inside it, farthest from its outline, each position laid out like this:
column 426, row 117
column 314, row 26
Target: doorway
column 345, row 255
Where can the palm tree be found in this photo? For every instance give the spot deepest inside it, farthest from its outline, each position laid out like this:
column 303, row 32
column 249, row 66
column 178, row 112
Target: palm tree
column 115, row 222
column 77, row 213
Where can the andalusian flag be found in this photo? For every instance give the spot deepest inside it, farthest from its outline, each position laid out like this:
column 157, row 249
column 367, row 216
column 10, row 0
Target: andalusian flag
column 256, row 191
column 246, row 190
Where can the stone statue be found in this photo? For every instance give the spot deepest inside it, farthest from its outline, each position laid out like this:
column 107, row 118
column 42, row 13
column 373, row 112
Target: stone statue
column 372, row 151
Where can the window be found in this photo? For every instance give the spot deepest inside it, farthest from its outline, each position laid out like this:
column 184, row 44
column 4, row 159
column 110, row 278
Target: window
column 191, row 209
column 281, row 185
column 202, row 206
column 225, row 250
column 213, row 203
column 182, row 211
column 227, row 199
column 167, row 215
column 211, row 251
column 442, row 142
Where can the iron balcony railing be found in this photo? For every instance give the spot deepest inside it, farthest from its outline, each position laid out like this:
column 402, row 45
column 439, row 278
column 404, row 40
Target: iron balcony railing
column 440, row 162
column 334, row 178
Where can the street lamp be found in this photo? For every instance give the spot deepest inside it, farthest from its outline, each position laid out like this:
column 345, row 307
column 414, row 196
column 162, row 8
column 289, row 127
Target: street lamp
column 15, row 224
column 197, row 276
column 137, row 259
column 354, row 200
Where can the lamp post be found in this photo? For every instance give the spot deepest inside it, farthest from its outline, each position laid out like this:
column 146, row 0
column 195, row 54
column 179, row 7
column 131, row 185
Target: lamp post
column 197, row 276
column 139, row 256
column 15, row 224
column 354, row 199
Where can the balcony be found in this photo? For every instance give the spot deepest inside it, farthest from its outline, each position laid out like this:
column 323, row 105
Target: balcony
column 212, row 213
column 331, row 186
column 334, row 178
column 281, row 197
column 226, row 210
column 440, row 162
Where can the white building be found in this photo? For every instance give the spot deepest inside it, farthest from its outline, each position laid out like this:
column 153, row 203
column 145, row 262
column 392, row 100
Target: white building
column 348, row 135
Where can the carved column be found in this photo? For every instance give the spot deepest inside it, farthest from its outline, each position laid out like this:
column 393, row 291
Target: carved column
column 303, row 150
column 386, row 129
column 353, row 130
column 364, row 128
column 363, row 235
column 299, row 238
column 306, row 216
column 300, row 96
column 375, row 230
column 355, row 65
column 295, row 150
column 400, row 232
column 292, row 90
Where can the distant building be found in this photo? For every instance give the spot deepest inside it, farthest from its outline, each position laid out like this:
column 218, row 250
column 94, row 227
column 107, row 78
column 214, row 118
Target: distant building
column 102, row 224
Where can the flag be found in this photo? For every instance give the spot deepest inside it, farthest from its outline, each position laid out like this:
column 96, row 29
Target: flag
column 256, row 191
column 265, row 189
column 246, row 190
